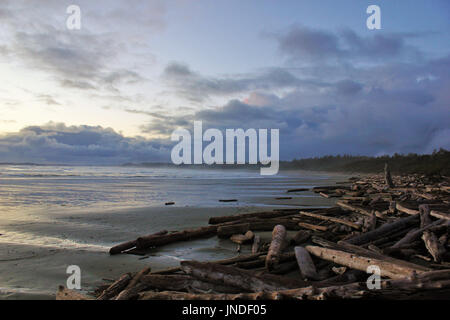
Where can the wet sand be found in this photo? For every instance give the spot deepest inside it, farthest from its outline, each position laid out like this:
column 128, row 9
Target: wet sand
column 36, row 247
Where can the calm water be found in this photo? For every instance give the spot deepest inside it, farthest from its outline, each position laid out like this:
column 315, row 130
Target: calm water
column 33, row 187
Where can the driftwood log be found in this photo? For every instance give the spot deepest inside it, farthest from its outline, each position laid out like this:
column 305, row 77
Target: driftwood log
column 256, row 247
column 229, row 230
column 115, row 288
column 387, row 176
column 184, row 283
column 384, row 230
column 131, row 244
column 434, row 247
column 133, row 287
column 332, row 219
column 259, row 215
column 277, row 245
column 155, row 241
column 306, row 264
column 238, row 278
column 387, row 268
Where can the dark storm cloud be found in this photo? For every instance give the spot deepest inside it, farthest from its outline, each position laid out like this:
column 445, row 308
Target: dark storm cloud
column 301, row 43
column 386, row 108
column 327, row 64
column 58, row 143
column 197, row 87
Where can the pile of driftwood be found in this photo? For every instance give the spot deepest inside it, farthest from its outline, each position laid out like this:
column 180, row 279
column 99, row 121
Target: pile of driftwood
column 397, row 227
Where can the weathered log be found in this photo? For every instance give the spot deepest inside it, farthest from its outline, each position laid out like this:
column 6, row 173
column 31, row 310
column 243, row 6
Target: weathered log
column 349, row 291
column 261, row 261
column 416, row 233
column 380, row 256
column 131, row 244
column 115, row 288
column 370, row 223
column 227, row 231
column 358, row 209
column 239, row 278
column 300, row 237
column 326, row 195
column 328, row 188
column 440, row 215
column 347, row 277
column 236, row 259
column 387, row 176
column 434, row 247
column 167, row 271
column 67, row 294
column 400, row 207
column 256, row 244
column 122, row 247
column 388, row 268
column 175, row 295
column 260, row 215
column 284, row 268
column 277, row 245
column 184, row 283
column 395, row 289
column 186, row 235
column 131, row 290
column 384, row 230
column 392, row 207
column 242, row 238
column 424, row 213
column 297, row 190
column 305, row 263
column 313, row 227
column 357, row 250
column 131, row 293
column 332, row 219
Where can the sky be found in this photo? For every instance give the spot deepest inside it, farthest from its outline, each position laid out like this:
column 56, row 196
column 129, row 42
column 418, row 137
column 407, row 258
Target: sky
column 114, row 91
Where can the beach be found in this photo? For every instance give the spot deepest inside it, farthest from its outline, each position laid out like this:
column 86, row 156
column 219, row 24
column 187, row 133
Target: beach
column 53, row 217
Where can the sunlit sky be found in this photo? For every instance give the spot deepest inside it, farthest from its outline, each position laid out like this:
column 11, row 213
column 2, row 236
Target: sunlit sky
column 142, row 68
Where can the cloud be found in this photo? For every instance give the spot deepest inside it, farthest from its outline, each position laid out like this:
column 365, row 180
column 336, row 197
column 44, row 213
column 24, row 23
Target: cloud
column 48, row 99
column 95, row 58
column 324, row 60
column 79, row 61
column 303, row 43
column 58, row 143
column 380, row 109
column 196, row 87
